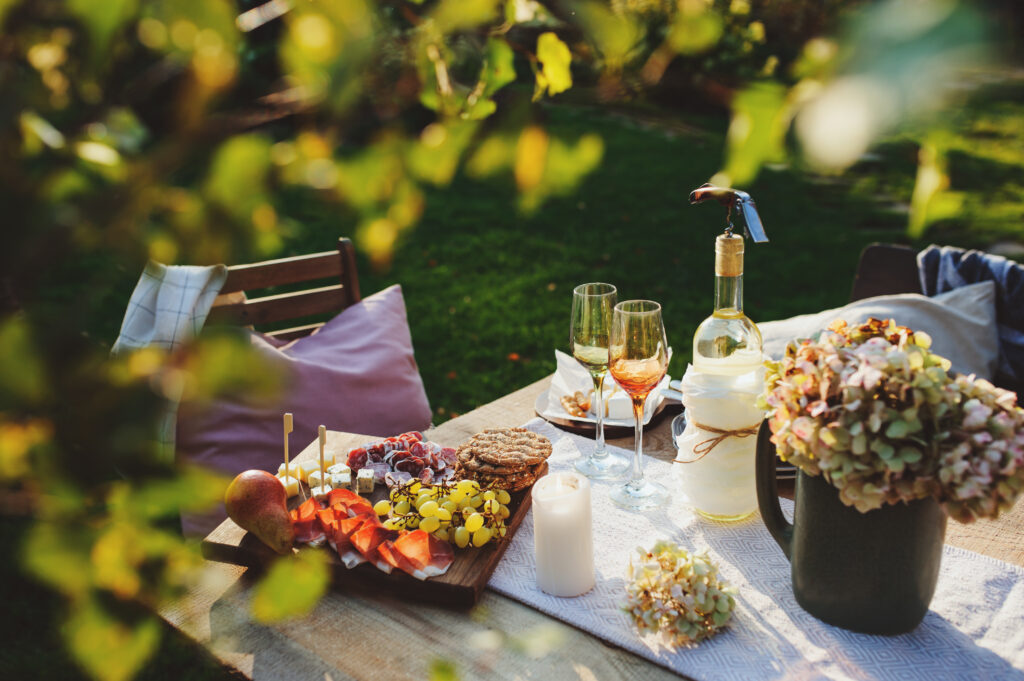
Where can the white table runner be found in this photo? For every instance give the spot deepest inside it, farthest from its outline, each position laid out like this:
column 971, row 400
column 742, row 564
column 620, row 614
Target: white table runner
column 974, row 629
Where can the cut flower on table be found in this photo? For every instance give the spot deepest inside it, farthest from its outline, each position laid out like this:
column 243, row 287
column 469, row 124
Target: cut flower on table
column 875, row 412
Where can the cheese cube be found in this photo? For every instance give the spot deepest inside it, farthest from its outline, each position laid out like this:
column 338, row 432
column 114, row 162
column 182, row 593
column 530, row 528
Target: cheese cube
column 320, row 492
column 293, row 470
column 306, row 467
column 339, row 468
column 342, row 480
column 291, row 485
column 364, row 480
column 316, row 479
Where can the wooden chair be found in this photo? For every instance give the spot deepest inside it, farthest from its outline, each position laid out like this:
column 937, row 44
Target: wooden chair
column 885, row 269
column 272, row 309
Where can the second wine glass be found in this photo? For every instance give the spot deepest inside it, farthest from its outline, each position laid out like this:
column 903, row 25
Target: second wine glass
column 592, row 306
column 638, row 360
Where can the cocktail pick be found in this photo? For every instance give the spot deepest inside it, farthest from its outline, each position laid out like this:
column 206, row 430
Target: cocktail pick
column 322, row 432
column 289, row 426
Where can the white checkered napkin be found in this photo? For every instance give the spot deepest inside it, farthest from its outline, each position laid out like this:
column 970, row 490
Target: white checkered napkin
column 169, row 305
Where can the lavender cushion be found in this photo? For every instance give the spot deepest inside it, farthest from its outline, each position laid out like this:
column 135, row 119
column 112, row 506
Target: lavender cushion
column 356, row 374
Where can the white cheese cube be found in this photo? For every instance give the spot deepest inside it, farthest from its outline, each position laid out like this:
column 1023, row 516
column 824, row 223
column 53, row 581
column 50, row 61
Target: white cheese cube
column 291, row 485
column 342, row 480
column 316, row 478
column 364, row 480
column 320, row 492
column 339, row 468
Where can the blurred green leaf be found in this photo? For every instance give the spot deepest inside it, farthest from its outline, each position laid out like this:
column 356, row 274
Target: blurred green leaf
column 204, row 32
column 237, row 179
column 194, row 489
column 555, row 57
column 442, row 670
column 457, row 15
column 109, row 648
column 760, row 117
column 103, row 20
column 616, row 37
column 291, row 588
column 23, row 380
column 435, row 156
column 931, row 200
column 695, row 28
column 58, row 555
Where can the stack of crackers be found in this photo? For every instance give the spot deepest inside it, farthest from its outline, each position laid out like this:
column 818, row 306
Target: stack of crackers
column 504, row 458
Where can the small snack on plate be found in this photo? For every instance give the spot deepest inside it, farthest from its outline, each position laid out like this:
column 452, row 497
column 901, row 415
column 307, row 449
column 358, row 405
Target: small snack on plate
column 316, row 478
column 576, row 404
column 307, row 467
column 342, row 480
column 291, row 485
column 320, row 492
column 364, row 480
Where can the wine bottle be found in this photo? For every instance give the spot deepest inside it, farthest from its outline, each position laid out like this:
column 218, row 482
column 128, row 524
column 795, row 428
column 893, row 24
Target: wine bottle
column 727, row 343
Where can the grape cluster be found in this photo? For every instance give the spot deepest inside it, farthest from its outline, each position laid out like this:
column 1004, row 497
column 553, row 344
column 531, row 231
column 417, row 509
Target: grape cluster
column 461, row 512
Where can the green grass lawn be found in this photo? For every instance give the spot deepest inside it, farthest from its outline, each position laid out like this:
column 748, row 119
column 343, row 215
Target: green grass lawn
column 488, row 290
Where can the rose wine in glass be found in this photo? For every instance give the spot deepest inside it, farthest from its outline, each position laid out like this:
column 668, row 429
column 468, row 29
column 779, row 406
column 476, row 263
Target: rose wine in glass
column 592, row 306
column 638, row 360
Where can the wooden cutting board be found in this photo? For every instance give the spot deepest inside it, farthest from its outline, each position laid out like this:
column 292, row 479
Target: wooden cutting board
column 459, row 587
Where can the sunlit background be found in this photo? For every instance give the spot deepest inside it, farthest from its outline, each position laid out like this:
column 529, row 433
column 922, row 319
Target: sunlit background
column 488, row 155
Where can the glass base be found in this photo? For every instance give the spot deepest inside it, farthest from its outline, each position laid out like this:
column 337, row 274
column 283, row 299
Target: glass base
column 611, row 465
column 644, row 497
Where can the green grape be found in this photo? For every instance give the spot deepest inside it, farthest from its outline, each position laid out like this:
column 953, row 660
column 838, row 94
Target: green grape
column 482, row 536
column 412, row 522
column 502, row 530
column 443, row 534
column 492, row 506
column 503, row 496
column 474, row 522
column 391, row 524
column 476, row 501
column 393, row 494
column 468, row 487
column 444, row 514
column 503, row 512
column 465, row 503
column 430, row 524
column 402, row 507
column 428, row 508
column 381, row 507
column 488, row 495
column 413, row 488
column 456, row 495
column 461, row 536
column 450, row 506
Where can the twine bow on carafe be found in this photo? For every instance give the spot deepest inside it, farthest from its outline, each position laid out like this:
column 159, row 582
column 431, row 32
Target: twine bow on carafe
column 704, row 447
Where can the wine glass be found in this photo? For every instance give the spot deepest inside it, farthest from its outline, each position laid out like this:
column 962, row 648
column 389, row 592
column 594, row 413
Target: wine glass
column 592, row 306
column 638, row 359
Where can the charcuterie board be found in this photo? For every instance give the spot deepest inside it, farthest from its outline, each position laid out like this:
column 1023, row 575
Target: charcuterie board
column 459, row 587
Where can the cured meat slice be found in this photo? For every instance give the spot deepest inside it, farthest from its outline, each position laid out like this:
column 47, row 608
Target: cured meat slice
column 428, row 555
column 379, row 469
column 350, row 555
column 411, row 436
column 306, row 523
column 426, row 476
column 357, row 459
column 447, row 454
column 386, row 550
column 396, row 478
column 349, row 501
column 366, row 540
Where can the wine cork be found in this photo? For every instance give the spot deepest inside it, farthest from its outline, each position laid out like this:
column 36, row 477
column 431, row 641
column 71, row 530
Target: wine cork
column 729, row 255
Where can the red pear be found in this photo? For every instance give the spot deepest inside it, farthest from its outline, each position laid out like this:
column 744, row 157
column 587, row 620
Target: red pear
column 257, row 502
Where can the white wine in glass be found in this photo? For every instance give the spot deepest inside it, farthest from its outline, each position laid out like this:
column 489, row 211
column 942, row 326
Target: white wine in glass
column 592, row 306
column 638, row 360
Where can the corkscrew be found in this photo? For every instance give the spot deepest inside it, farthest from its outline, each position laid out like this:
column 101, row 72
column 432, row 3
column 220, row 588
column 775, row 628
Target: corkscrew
column 733, row 198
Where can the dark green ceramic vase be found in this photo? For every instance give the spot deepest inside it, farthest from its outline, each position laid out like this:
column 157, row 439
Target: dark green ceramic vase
column 871, row 572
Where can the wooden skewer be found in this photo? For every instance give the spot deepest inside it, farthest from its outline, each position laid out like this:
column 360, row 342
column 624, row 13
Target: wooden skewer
column 288, row 428
column 322, row 432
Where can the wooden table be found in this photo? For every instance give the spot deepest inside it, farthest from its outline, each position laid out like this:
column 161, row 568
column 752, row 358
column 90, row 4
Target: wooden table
column 365, row 636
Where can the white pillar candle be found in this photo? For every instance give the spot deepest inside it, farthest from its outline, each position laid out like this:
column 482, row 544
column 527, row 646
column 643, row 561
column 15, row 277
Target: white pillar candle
column 562, row 534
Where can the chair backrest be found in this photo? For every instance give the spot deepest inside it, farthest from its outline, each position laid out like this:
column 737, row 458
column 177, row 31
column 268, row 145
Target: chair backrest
column 339, row 265
column 885, row 269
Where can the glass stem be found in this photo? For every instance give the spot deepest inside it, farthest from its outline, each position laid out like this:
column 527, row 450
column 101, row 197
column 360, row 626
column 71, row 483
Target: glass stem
column 599, row 450
column 636, row 473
